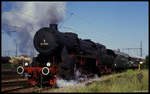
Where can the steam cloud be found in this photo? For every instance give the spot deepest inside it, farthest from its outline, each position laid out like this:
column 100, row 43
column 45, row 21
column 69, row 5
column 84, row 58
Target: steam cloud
column 27, row 17
column 64, row 83
column 78, row 78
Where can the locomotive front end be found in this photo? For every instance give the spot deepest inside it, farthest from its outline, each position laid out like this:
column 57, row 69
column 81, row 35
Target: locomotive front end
column 39, row 73
column 45, row 41
column 42, row 70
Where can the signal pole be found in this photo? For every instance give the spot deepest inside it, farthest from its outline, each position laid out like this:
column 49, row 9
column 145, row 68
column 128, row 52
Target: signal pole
column 16, row 48
column 141, row 48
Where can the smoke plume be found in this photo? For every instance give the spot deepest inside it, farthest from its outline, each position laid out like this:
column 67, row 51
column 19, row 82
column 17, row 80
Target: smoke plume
column 27, row 17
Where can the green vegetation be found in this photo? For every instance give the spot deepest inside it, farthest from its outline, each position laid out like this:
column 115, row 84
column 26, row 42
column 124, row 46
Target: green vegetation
column 146, row 63
column 129, row 81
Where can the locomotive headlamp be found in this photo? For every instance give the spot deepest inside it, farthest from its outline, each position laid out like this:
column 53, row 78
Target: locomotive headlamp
column 141, row 62
column 45, row 71
column 20, row 70
column 26, row 64
column 48, row 64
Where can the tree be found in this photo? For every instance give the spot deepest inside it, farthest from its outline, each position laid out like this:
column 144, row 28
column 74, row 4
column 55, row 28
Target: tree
column 146, row 62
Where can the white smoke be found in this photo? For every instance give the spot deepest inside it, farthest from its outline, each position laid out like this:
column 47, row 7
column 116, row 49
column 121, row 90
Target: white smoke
column 64, row 83
column 78, row 78
column 96, row 77
column 27, row 17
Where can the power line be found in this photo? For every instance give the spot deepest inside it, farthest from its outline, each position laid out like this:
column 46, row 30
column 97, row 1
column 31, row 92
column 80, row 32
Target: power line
column 134, row 49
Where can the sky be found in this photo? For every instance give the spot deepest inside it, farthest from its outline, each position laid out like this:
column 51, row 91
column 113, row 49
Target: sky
column 113, row 24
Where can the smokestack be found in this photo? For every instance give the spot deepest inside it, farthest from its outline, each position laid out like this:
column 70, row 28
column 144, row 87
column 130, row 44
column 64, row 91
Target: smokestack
column 53, row 26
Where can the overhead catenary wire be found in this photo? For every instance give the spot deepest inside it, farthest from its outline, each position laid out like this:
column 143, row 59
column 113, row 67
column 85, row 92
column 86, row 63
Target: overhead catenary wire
column 135, row 49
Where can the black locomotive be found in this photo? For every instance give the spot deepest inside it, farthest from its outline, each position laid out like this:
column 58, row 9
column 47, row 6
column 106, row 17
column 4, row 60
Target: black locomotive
column 62, row 54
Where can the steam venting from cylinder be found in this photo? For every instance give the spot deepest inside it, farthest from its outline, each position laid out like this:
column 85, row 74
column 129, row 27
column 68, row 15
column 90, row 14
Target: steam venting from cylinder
column 25, row 18
column 79, row 78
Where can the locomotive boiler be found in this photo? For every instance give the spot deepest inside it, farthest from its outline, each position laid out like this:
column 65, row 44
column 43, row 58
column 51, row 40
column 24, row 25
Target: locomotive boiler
column 50, row 42
column 63, row 54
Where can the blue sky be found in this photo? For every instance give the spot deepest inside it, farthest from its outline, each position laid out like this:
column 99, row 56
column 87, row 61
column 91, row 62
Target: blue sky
column 114, row 24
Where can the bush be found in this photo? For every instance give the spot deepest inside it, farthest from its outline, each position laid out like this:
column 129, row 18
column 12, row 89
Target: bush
column 146, row 63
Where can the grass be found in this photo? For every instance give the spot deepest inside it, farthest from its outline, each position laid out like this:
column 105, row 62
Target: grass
column 129, row 81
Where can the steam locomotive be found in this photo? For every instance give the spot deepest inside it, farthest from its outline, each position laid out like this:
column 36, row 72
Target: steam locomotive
column 63, row 54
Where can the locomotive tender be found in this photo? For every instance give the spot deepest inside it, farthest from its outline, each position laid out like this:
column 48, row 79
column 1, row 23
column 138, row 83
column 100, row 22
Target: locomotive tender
column 63, row 54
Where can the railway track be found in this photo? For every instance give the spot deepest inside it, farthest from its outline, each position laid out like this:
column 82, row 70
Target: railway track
column 19, row 86
column 24, row 89
column 30, row 90
column 14, row 84
column 14, row 88
column 7, row 74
